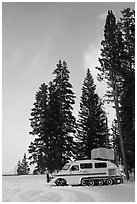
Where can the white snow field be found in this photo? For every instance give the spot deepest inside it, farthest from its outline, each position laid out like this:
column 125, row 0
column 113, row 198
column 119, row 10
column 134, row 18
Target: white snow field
column 33, row 188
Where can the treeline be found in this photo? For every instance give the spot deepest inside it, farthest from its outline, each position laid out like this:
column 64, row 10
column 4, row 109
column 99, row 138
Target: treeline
column 58, row 136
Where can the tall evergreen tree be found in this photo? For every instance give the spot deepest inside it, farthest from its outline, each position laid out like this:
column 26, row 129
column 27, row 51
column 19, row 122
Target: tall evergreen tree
column 53, row 123
column 115, row 65
column 92, row 120
column 61, row 103
column 40, row 119
column 111, row 54
column 127, row 26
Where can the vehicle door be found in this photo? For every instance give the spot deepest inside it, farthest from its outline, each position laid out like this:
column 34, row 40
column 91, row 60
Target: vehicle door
column 86, row 168
column 74, row 175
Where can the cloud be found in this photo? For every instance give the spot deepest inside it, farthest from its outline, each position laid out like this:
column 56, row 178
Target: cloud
column 102, row 16
column 91, row 56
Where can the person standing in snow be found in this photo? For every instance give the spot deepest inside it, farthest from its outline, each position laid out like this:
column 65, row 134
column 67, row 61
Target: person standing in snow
column 47, row 176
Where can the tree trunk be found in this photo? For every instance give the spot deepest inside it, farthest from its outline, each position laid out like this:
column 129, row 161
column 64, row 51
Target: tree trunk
column 114, row 86
column 106, row 132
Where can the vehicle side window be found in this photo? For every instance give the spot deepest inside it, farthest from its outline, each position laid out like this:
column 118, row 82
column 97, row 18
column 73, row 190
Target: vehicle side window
column 101, row 165
column 86, row 165
column 66, row 167
column 74, row 168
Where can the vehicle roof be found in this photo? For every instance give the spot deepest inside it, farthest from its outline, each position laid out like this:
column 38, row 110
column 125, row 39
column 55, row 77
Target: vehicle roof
column 86, row 161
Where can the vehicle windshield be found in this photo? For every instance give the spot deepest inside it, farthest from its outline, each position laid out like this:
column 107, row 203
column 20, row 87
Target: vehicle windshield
column 66, row 167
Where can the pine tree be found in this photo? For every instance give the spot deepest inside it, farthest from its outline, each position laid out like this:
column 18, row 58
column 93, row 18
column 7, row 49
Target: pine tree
column 62, row 99
column 24, row 166
column 113, row 55
column 53, row 123
column 40, row 119
column 92, row 120
column 127, row 26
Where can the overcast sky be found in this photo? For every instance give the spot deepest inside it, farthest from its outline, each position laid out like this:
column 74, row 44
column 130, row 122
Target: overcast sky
column 35, row 36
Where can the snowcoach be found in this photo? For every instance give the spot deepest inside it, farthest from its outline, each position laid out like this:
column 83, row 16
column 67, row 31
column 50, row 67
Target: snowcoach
column 96, row 171
column 88, row 172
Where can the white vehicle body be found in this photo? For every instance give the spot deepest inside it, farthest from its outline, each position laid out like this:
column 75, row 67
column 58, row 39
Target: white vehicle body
column 88, row 172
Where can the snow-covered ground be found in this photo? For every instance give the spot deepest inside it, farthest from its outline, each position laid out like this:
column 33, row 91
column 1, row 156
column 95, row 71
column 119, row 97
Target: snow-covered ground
column 33, row 188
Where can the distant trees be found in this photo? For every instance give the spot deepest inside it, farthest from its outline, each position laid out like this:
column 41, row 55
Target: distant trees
column 91, row 123
column 23, row 167
column 53, row 123
column 19, row 168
